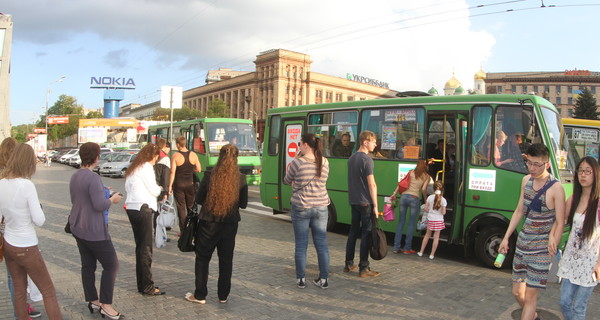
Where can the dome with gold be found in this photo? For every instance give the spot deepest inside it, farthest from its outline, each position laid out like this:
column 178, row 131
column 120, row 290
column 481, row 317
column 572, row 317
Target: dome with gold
column 480, row 75
column 453, row 83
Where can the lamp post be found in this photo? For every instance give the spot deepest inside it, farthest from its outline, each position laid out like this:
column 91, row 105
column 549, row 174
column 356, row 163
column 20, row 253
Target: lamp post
column 47, row 98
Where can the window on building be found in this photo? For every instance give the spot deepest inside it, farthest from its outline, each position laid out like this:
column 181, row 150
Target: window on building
column 350, row 98
column 557, row 89
column 536, row 89
column 524, row 89
column 499, row 89
column 514, row 88
column 558, row 100
column 571, row 112
column 593, row 89
column 338, row 97
column 559, row 111
column 319, row 93
column 547, row 89
column 570, row 100
column 569, row 89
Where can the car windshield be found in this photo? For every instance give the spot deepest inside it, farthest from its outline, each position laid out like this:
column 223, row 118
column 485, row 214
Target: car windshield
column 72, row 151
column 104, row 156
column 240, row 134
column 558, row 140
column 122, row 158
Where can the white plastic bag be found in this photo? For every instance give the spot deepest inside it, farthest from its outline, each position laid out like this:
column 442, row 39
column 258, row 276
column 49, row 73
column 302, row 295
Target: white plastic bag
column 167, row 213
column 34, row 293
column 422, row 224
column 160, row 236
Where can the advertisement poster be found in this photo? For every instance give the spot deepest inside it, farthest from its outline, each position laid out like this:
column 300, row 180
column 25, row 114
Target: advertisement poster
column 401, row 115
column 388, row 138
column 483, row 180
column 591, row 150
column 411, row 152
column 403, row 169
column 293, row 133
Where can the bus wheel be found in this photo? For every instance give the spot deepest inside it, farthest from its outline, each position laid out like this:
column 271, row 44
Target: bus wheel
column 331, row 217
column 486, row 245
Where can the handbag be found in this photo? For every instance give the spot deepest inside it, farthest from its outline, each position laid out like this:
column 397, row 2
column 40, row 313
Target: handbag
column 167, row 212
column 68, row 227
column 422, row 224
column 404, row 183
column 378, row 249
column 388, row 212
column 186, row 241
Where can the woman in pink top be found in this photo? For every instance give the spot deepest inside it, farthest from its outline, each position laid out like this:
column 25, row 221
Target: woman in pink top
column 411, row 198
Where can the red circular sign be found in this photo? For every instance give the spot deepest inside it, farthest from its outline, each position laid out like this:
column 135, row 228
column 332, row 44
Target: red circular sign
column 292, row 149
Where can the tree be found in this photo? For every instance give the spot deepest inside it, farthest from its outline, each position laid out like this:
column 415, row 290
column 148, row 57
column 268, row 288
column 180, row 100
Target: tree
column 217, row 109
column 65, row 105
column 94, row 115
column 585, row 106
column 178, row 114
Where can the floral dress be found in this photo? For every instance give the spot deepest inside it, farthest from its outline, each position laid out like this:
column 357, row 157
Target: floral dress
column 580, row 255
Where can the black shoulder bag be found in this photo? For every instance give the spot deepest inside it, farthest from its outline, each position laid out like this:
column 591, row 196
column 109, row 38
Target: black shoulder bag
column 186, row 241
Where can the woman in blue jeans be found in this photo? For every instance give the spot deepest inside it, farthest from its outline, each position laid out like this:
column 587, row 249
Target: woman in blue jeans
column 580, row 264
column 411, row 198
column 308, row 176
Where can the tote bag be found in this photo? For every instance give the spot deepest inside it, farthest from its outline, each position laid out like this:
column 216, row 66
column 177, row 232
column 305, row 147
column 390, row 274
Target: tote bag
column 378, row 248
column 186, row 241
column 388, row 212
column 404, row 183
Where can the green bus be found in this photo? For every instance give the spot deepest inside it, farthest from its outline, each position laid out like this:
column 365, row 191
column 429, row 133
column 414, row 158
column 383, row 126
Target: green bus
column 206, row 136
column 584, row 137
column 481, row 192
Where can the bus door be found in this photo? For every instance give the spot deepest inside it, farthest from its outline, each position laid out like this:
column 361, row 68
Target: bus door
column 292, row 132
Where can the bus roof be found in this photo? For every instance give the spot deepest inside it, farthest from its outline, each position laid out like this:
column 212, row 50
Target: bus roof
column 582, row 122
column 414, row 101
column 205, row 120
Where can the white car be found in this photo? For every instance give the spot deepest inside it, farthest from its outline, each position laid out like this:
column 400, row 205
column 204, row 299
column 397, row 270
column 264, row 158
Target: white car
column 119, row 164
column 67, row 155
column 75, row 161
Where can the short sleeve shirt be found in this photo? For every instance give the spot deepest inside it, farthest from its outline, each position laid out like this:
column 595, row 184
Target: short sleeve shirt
column 360, row 166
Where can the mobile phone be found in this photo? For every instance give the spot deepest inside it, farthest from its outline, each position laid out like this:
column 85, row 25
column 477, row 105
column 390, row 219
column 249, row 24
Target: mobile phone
column 594, row 276
column 112, row 194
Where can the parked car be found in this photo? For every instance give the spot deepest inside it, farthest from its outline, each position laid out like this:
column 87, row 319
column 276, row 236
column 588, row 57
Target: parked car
column 59, row 154
column 119, row 164
column 67, row 155
column 75, row 161
column 104, row 158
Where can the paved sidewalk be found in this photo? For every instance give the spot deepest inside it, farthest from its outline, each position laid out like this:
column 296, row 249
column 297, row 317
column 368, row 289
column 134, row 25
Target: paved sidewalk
column 263, row 284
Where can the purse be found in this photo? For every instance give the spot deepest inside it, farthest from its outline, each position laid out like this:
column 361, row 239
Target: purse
column 378, row 249
column 186, row 241
column 68, row 227
column 422, row 224
column 404, row 183
column 388, row 212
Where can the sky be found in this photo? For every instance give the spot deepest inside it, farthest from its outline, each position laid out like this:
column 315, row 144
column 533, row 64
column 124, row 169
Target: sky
column 410, row 44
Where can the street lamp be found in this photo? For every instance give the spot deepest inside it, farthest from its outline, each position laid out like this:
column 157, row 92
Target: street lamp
column 47, row 97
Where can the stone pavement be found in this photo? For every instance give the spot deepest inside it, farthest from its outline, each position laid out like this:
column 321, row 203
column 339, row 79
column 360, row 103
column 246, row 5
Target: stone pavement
column 263, row 284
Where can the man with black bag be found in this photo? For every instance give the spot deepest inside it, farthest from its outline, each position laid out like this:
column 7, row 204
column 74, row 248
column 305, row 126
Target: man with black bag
column 362, row 195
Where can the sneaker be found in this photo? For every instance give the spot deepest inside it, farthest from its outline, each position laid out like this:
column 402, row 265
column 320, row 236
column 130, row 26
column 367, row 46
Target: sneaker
column 368, row 273
column 397, row 251
column 420, row 254
column 431, row 257
column 301, row 283
column 350, row 268
column 223, row 301
column 321, row 283
column 408, row 251
column 190, row 297
column 32, row 312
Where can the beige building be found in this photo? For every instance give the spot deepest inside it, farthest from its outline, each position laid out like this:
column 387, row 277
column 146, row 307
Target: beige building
column 6, row 29
column 560, row 88
column 282, row 78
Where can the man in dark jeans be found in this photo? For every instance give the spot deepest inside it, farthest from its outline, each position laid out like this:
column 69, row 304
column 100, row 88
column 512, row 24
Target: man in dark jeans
column 362, row 194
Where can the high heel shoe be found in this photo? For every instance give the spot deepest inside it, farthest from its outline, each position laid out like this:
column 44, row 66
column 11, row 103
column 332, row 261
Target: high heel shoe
column 93, row 307
column 112, row 317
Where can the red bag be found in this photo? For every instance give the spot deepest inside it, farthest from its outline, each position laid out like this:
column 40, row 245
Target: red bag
column 404, row 183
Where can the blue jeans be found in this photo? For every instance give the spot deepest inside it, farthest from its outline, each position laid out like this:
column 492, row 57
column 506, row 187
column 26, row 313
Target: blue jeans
column 573, row 299
column 362, row 222
column 316, row 220
column 407, row 201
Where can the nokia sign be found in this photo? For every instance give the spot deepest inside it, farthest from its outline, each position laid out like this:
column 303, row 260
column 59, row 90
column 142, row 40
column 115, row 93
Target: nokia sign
column 111, row 83
column 366, row 80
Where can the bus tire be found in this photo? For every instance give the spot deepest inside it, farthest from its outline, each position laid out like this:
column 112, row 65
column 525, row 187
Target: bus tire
column 331, row 217
column 486, row 245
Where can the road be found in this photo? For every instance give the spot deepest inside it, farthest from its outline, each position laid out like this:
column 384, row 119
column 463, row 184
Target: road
column 263, row 284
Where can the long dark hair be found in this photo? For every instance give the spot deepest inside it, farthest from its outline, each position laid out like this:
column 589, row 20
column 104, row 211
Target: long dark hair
column 421, row 169
column 592, row 206
column 315, row 144
column 224, row 185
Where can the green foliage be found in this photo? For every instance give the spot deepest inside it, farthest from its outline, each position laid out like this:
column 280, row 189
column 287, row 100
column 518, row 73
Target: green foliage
column 217, row 109
column 585, row 106
column 65, row 105
column 94, row 115
column 178, row 114
column 20, row 132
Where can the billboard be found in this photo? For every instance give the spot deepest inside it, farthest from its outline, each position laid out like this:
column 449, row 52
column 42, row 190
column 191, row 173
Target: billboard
column 58, row 120
column 97, row 135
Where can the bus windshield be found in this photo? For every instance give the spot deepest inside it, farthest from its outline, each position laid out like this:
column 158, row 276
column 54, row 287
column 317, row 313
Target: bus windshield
column 239, row 134
column 558, row 140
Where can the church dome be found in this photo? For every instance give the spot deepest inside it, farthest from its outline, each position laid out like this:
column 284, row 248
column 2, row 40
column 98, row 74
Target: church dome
column 480, row 75
column 459, row 91
column 453, row 83
column 433, row 91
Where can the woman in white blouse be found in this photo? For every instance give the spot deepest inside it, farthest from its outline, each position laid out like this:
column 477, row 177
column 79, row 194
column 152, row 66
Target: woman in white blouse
column 142, row 190
column 21, row 209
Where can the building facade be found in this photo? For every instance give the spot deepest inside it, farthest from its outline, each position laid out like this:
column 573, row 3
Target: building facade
column 282, row 78
column 6, row 29
column 560, row 88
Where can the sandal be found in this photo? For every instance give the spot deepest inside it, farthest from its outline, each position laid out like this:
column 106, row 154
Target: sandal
column 156, row 292
column 190, row 297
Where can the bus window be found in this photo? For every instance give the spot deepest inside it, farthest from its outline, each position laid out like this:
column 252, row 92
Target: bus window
column 274, row 135
column 481, row 137
column 583, row 141
column 558, row 140
column 399, row 132
column 514, row 133
column 241, row 135
column 338, row 131
column 198, row 142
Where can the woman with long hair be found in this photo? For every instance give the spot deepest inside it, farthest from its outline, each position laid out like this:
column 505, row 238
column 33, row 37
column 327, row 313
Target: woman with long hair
column 411, row 198
column 22, row 212
column 579, row 266
column 308, row 175
column 223, row 191
column 142, row 191
column 88, row 221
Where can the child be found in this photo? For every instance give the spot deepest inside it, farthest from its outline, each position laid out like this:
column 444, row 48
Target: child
column 435, row 207
column 580, row 264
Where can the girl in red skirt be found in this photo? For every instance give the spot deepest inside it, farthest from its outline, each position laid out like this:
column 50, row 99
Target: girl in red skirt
column 435, row 208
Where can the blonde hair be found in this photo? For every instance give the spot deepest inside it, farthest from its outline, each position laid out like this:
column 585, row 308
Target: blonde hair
column 21, row 163
column 6, row 148
column 224, row 185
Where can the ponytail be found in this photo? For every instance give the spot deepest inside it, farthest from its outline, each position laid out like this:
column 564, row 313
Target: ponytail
column 437, row 202
column 316, row 145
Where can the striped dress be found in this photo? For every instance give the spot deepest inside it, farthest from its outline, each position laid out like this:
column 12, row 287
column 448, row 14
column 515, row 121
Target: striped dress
column 309, row 191
column 532, row 259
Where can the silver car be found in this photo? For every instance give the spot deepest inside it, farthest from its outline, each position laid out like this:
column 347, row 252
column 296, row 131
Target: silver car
column 105, row 157
column 119, row 164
